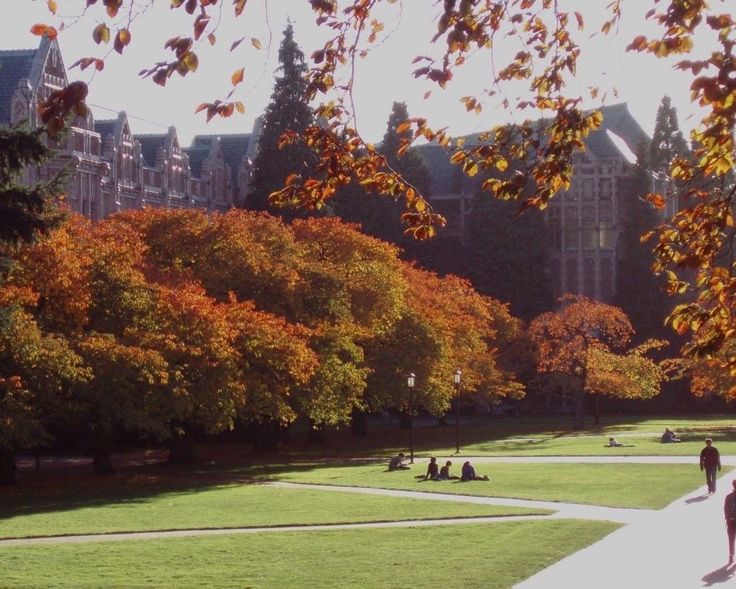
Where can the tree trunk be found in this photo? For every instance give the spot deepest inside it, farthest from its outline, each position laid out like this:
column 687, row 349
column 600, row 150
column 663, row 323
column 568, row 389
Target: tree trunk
column 358, row 424
column 315, row 434
column 182, row 447
column 597, row 411
column 578, row 409
column 102, row 457
column 7, row 467
column 267, row 436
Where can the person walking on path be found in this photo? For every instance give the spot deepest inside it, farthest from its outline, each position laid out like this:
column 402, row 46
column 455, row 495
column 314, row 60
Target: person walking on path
column 729, row 510
column 710, row 461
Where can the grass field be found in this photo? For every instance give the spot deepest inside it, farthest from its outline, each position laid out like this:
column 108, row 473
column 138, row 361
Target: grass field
column 495, row 555
column 614, row 485
column 546, row 436
column 226, row 506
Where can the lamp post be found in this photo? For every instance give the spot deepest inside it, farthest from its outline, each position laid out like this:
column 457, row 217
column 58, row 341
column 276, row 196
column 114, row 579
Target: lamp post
column 410, row 385
column 456, row 378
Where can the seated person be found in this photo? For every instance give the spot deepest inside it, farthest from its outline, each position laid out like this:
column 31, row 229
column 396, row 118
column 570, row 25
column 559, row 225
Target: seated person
column 468, row 473
column 612, row 443
column 669, row 437
column 433, row 470
column 397, row 462
column 445, row 472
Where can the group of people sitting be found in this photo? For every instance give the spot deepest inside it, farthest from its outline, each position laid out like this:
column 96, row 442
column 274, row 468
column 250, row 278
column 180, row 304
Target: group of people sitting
column 435, row 473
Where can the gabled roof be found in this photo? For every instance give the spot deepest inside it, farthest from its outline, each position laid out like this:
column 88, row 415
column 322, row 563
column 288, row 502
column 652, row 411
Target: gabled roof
column 618, row 137
column 197, row 154
column 234, row 148
column 150, row 145
column 105, row 127
column 14, row 65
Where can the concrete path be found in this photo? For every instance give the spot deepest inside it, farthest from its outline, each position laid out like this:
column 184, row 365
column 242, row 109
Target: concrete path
column 562, row 510
column 680, row 547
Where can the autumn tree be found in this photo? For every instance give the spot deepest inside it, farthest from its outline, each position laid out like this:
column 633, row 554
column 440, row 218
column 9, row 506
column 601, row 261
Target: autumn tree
column 379, row 214
column 288, row 111
column 38, row 374
column 585, row 341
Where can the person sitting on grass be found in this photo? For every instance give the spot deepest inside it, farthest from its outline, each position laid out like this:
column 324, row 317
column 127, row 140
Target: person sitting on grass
column 433, row 470
column 397, row 462
column 612, row 443
column 468, row 473
column 445, row 472
column 669, row 437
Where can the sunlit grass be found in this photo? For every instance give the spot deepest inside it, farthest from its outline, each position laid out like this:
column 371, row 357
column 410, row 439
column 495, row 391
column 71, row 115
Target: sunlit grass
column 496, row 555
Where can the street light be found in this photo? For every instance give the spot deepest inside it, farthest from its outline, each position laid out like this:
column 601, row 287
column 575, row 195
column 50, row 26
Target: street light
column 456, row 377
column 410, row 384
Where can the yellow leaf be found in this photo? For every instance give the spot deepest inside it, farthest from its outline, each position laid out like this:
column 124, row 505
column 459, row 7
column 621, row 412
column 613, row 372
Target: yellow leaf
column 52, row 6
column 240, row 107
column 255, row 42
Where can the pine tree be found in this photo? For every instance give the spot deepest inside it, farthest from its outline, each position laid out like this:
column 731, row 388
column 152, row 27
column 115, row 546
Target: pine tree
column 507, row 256
column 287, row 111
column 638, row 290
column 378, row 215
column 667, row 141
column 25, row 211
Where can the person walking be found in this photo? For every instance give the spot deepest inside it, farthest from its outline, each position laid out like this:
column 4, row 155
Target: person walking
column 710, row 461
column 729, row 510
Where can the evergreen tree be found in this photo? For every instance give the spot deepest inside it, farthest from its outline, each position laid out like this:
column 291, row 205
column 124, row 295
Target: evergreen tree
column 378, row 215
column 288, row 111
column 667, row 141
column 507, row 256
column 638, row 290
column 25, row 211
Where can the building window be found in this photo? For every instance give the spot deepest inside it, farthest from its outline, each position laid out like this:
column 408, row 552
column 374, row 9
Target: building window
column 607, row 236
column 571, row 235
column 589, row 277
column 589, row 236
column 556, row 234
column 555, row 269
column 571, row 275
column 606, row 190
column 606, row 279
column 588, row 188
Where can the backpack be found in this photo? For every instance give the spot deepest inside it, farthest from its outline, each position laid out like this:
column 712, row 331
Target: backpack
column 730, row 507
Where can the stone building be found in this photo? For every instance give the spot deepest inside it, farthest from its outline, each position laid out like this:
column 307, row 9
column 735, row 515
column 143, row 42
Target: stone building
column 584, row 222
column 109, row 167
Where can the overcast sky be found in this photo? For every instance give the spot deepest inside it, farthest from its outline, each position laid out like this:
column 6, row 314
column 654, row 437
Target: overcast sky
column 384, row 77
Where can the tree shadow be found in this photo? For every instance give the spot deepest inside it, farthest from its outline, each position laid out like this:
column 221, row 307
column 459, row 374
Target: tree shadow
column 720, row 575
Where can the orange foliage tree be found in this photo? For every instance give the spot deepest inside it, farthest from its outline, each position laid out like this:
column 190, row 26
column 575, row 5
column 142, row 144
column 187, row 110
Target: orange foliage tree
column 585, row 342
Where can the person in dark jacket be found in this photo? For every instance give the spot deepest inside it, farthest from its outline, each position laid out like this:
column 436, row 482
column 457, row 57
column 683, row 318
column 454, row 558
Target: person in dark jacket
column 468, row 473
column 710, row 461
column 433, row 470
column 729, row 510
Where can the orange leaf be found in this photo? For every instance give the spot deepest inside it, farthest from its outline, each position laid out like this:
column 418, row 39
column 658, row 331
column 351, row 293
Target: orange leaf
column 238, row 76
column 255, row 42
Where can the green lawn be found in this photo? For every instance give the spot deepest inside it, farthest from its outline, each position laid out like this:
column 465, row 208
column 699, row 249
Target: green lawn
column 650, row 486
column 497, row 555
column 549, row 436
column 226, row 506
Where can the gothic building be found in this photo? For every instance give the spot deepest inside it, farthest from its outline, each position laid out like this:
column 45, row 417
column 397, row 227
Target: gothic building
column 583, row 222
column 109, row 167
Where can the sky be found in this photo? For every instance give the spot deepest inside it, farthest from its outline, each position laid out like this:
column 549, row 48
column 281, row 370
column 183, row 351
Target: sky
column 382, row 78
